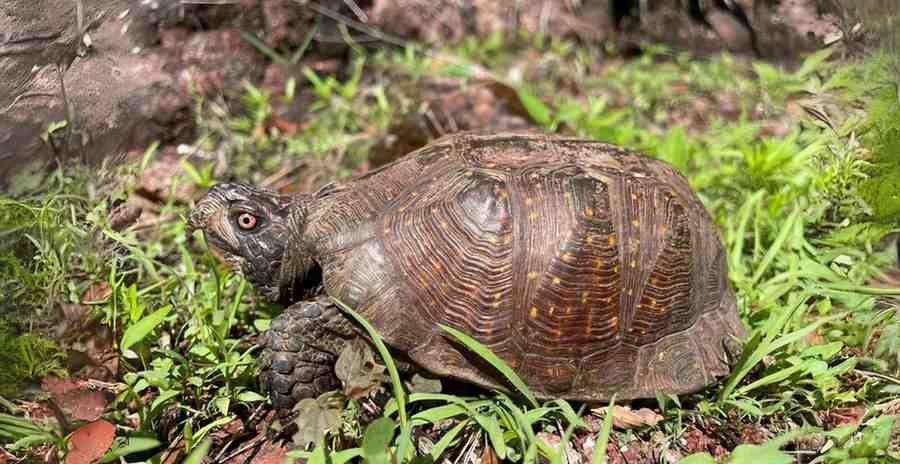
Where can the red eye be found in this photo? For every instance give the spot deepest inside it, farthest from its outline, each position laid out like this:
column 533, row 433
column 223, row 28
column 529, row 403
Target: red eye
column 246, row 221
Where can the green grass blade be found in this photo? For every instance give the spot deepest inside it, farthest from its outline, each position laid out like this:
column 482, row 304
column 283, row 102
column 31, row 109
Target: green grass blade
column 785, row 232
column 399, row 393
column 447, row 439
column 602, row 441
column 486, row 354
column 199, row 453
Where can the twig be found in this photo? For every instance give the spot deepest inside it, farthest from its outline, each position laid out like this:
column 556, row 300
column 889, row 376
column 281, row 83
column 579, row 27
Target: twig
column 878, row 375
column 357, row 10
column 254, row 442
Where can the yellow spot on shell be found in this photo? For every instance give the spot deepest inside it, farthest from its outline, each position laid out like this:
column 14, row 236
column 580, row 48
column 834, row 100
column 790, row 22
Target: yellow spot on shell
column 556, row 280
column 634, row 197
column 444, row 224
column 653, row 301
column 589, row 239
column 629, row 292
column 497, row 296
column 552, row 309
column 589, row 211
column 532, row 275
column 636, row 223
column 532, row 216
column 616, row 268
column 533, row 312
column 584, row 297
column 633, row 263
column 496, row 305
column 612, row 240
column 568, row 310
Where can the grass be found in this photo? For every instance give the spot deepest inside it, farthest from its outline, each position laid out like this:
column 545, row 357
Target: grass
column 802, row 201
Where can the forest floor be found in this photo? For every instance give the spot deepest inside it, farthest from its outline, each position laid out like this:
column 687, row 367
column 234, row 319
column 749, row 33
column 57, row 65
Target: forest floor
column 129, row 340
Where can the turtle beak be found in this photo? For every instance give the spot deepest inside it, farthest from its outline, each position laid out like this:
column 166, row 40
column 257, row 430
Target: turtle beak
column 212, row 201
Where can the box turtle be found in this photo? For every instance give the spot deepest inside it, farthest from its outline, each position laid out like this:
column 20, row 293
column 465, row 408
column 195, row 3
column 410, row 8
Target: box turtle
column 589, row 269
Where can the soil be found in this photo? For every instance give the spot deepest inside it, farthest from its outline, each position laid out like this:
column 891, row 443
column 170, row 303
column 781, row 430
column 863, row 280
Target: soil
column 122, row 74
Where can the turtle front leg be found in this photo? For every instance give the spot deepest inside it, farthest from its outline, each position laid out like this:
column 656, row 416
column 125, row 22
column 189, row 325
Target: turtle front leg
column 300, row 350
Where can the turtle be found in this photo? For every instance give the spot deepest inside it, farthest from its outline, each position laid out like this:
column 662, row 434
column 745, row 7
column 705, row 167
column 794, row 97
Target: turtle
column 588, row 268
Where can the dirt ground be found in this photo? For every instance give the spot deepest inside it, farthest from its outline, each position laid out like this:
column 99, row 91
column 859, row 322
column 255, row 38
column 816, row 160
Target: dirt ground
column 118, row 74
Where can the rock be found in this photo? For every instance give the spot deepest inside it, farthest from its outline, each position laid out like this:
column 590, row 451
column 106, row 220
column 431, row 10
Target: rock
column 119, row 95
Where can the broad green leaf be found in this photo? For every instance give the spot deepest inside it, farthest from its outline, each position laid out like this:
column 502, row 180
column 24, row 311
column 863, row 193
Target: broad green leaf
column 376, row 441
column 133, row 444
column 162, row 398
column 138, row 331
column 250, row 396
column 698, row 458
column 755, row 454
column 536, row 108
column 875, row 437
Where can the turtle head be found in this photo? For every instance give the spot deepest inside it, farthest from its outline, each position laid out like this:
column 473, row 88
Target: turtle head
column 250, row 228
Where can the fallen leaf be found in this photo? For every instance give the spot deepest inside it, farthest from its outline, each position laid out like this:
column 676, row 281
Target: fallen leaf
column 357, row 370
column 837, row 417
column 315, row 416
column 97, row 292
column 421, row 384
column 488, row 456
column 57, row 386
column 626, row 418
column 75, row 398
column 90, row 442
column 286, row 127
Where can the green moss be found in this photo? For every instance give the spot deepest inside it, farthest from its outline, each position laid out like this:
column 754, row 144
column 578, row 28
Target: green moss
column 27, row 357
column 882, row 190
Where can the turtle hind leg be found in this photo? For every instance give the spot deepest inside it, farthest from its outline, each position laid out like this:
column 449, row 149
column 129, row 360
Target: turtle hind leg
column 300, row 349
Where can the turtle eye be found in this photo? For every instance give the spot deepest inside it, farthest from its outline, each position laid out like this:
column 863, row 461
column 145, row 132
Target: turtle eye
column 246, row 221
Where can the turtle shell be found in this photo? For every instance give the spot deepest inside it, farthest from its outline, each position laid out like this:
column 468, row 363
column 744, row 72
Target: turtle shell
column 589, row 269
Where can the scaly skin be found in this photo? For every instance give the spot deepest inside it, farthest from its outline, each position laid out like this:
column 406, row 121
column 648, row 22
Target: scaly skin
column 300, row 350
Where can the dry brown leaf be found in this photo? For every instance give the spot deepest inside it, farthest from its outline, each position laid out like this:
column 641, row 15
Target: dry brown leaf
column 625, row 418
column 90, row 442
column 488, row 456
column 357, row 370
column 75, row 398
column 97, row 292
